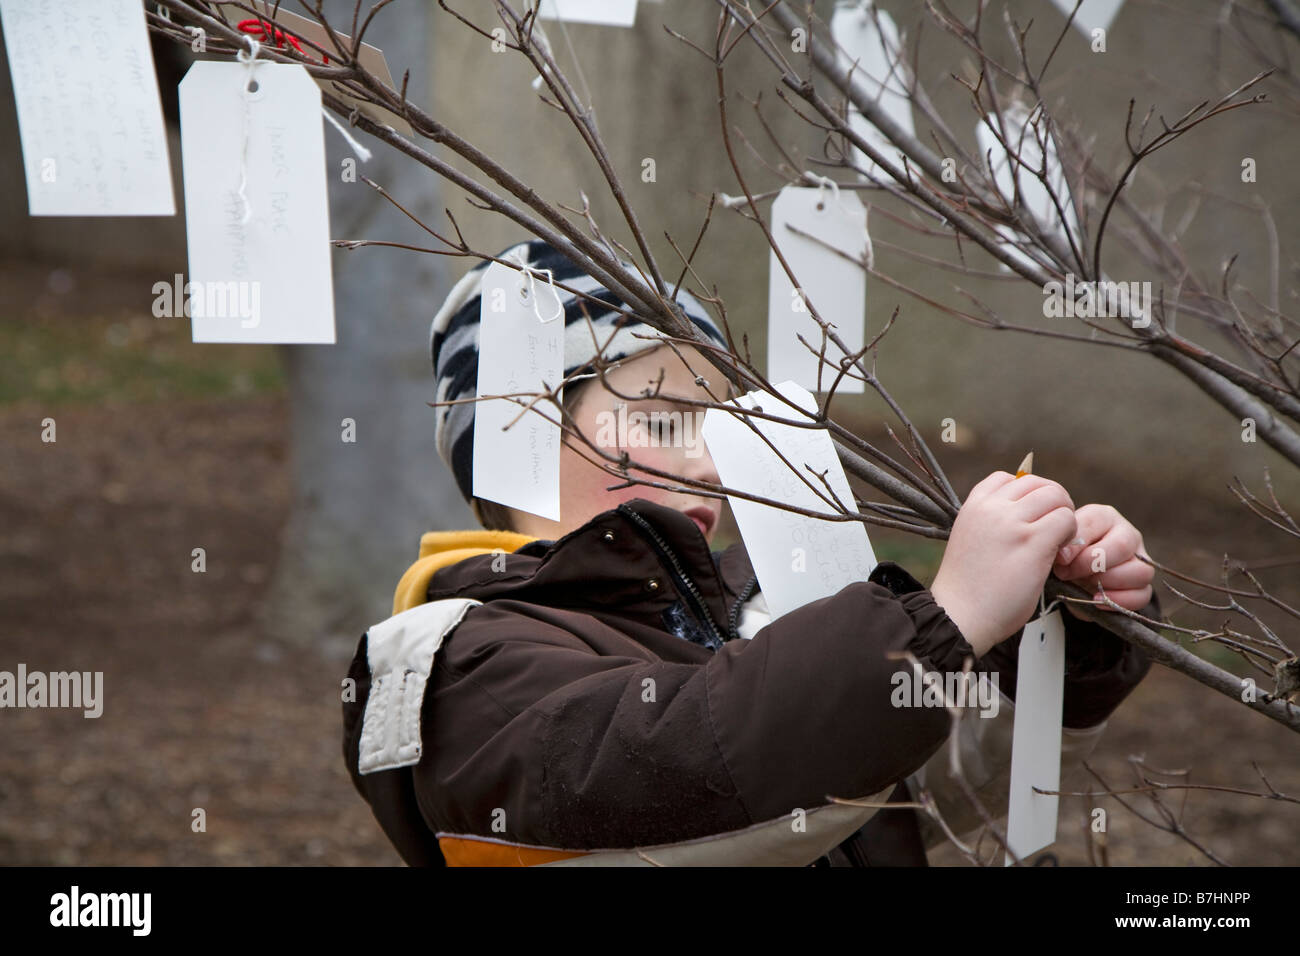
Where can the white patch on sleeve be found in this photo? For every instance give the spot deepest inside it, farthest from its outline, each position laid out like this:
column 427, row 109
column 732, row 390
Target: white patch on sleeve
column 754, row 616
column 400, row 652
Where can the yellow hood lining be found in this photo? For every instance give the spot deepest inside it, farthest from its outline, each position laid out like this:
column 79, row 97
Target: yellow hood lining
column 441, row 549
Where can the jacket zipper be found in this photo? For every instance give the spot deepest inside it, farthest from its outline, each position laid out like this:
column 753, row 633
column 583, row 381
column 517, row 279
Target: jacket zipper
column 745, row 593
column 670, row 559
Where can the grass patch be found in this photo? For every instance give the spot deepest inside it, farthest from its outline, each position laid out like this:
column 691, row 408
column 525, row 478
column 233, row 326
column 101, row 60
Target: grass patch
column 919, row 556
column 128, row 358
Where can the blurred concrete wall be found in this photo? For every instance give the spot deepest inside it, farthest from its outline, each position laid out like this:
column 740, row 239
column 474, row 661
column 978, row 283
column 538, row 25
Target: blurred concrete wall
column 655, row 97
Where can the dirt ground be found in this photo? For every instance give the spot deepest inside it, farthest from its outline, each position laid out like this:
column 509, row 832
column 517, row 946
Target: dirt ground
column 98, row 533
column 96, row 537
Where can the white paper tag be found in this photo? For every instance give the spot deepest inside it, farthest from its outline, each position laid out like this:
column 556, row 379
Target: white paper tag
column 614, row 13
column 1093, row 15
column 798, row 559
column 836, row 286
column 89, row 115
column 521, row 349
column 1036, row 736
column 267, row 279
column 878, row 61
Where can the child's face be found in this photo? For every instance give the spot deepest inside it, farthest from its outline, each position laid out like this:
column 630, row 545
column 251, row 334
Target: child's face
column 655, row 432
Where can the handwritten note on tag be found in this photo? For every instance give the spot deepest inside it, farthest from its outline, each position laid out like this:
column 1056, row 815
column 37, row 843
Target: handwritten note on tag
column 1036, row 736
column 256, row 206
column 836, row 286
column 798, row 559
column 88, row 110
column 521, row 350
column 614, row 13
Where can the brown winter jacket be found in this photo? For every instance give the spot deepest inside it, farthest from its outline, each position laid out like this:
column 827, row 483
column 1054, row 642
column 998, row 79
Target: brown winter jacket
column 590, row 700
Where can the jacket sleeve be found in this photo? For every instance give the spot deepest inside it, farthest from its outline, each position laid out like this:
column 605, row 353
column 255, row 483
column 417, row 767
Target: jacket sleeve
column 619, row 751
column 1101, row 669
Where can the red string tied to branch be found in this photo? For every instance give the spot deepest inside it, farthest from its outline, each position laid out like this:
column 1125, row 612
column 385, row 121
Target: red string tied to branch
column 259, row 29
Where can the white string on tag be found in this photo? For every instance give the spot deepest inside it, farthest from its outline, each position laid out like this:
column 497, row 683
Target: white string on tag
column 532, row 274
column 363, row 154
column 868, row 254
column 822, row 183
column 250, row 61
column 1044, row 611
column 166, row 14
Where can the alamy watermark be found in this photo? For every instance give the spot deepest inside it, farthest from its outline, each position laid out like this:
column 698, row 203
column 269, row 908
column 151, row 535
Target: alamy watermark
column 958, row 688
column 1130, row 301
column 654, row 429
column 213, row 300
column 76, row 689
column 75, row 908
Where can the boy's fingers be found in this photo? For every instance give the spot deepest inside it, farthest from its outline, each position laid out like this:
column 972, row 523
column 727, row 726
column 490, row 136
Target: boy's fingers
column 1059, row 523
column 1041, row 501
column 1095, row 520
column 989, row 485
column 1118, row 545
column 1019, row 487
column 1131, row 574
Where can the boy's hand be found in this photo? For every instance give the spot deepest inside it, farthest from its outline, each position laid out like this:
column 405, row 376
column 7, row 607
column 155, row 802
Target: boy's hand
column 1002, row 547
column 1105, row 553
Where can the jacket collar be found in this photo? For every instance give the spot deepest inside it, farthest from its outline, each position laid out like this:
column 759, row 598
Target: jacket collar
column 441, row 549
column 610, row 560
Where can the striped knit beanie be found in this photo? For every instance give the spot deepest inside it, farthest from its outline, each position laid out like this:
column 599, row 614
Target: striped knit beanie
column 454, row 342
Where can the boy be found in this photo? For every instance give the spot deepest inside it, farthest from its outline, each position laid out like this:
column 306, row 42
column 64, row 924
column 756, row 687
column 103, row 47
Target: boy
column 605, row 689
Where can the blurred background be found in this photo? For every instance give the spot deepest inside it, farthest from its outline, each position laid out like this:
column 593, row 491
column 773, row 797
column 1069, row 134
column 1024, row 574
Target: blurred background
column 222, row 687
